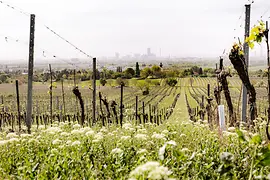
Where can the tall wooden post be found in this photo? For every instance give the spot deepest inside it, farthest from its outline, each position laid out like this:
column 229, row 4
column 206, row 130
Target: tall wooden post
column 136, row 109
column 18, row 104
column 94, row 90
column 246, row 51
column 51, row 111
column 30, row 74
column 63, row 96
column 143, row 107
column 121, row 104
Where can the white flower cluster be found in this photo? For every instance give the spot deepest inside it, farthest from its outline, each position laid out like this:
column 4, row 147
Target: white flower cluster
column 141, row 137
column 151, row 170
column 158, row 136
column 162, row 150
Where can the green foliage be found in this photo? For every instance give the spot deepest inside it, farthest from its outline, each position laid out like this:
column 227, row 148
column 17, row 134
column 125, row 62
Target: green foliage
column 137, row 71
column 146, row 72
column 103, row 82
column 171, row 81
column 120, row 81
column 256, row 34
column 129, row 73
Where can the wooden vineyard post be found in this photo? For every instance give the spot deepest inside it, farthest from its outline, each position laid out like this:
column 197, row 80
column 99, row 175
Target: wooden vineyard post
column 268, row 77
column 136, row 109
column 30, row 74
column 18, row 104
column 121, row 104
column 94, row 91
column 246, row 51
column 208, row 107
column 143, row 107
column 150, row 114
column 51, row 111
column 63, row 96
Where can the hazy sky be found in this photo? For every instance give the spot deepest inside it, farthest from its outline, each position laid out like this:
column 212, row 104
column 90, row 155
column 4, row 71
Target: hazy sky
column 202, row 28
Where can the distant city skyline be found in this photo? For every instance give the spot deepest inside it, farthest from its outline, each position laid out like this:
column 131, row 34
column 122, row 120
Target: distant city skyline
column 173, row 28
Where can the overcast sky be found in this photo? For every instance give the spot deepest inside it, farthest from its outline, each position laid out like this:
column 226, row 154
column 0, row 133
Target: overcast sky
column 201, row 28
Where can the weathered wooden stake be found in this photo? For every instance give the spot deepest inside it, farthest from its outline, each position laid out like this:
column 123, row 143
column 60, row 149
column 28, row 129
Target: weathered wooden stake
column 18, row 104
column 94, row 91
column 121, row 104
column 30, row 74
column 51, row 110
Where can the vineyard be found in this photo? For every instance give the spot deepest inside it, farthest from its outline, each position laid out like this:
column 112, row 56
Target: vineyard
column 158, row 138
column 162, row 119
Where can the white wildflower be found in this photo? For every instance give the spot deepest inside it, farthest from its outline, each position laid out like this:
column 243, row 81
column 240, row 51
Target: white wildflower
column 76, row 143
column 69, row 142
column 127, row 126
column 12, row 135
column 117, row 151
column 103, row 130
column 165, row 132
column 123, row 138
column 86, row 129
column 231, row 129
column 56, row 142
column 25, row 135
column 158, row 136
column 142, row 151
column 64, row 134
column 3, row 142
column 90, row 133
column 141, row 136
column 172, row 143
column 183, row 135
column 76, row 126
column 12, row 140
column 76, row 132
column 53, row 130
column 151, row 170
column 185, row 150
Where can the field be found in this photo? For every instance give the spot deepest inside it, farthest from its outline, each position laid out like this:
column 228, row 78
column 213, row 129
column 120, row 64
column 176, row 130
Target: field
column 160, row 143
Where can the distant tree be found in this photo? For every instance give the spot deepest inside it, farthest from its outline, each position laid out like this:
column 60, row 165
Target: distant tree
column 137, row 71
column 129, row 73
column 103, row 82
column 120, row 81
column 156, row 70
column 146, row 72
column 200, row 71
column 144, row 87
column 161, row 65
column 195, row 69
column 171, row 81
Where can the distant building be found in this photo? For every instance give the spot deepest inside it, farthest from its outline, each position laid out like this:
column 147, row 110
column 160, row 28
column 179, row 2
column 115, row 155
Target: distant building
column 117, row 55
column 148, row 51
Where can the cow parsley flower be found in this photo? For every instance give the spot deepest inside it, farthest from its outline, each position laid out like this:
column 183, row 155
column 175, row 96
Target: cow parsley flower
column 158, row 136
column 56, row 142
column 141, row 136
column 150, row 170
column 12, row 135
column 76, row 143
column 90, row 133
column 76, row 126
column 117, row 151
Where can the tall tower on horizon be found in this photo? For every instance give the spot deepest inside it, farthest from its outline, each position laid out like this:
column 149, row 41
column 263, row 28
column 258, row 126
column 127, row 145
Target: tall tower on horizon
column 148, row 51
